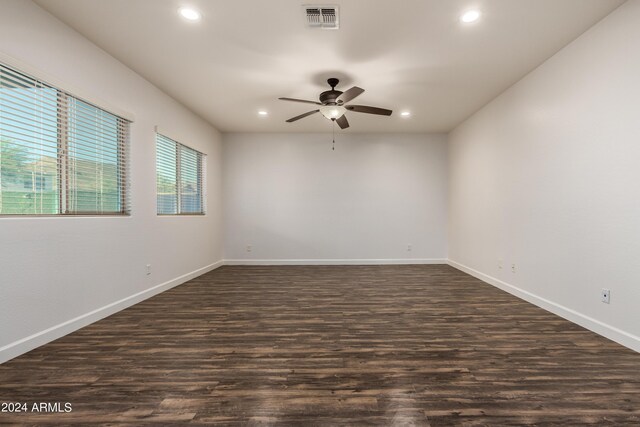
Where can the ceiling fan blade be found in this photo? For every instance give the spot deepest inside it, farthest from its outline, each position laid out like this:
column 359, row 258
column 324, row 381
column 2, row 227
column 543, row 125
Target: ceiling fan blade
column 350, row 94
column 302, row 116
column 342, row 122
column 300, row 100
column 368, row 110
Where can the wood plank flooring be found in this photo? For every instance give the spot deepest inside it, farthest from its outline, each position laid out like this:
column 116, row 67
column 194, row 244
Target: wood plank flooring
column 329, row 346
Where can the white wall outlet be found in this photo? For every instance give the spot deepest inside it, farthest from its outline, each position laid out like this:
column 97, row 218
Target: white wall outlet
column 605, row 296
column 500, row 263
column 148, row 269
column 513, row 268
column 249, row 248
column 409, row 248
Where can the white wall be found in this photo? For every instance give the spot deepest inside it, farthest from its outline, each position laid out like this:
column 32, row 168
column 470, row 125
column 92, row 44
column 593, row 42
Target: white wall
column 55, row 270
column 547, row 177
column 292, row 198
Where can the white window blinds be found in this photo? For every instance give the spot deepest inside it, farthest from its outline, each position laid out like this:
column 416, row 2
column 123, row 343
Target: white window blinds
column 179, row 178
column 58, row 154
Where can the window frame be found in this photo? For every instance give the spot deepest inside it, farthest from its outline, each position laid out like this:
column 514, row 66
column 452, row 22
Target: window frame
column 62, row 155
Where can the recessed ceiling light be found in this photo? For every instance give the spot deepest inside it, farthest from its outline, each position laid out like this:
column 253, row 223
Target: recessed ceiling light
column 470, row 16
column 189, row 14
column 262, row 113
column 405, row 113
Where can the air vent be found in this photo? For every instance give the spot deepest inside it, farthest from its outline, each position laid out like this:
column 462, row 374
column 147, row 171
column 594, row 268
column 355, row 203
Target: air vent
column 325, row 17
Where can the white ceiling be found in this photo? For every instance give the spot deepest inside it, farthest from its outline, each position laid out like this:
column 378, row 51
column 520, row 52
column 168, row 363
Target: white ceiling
column 409, row 54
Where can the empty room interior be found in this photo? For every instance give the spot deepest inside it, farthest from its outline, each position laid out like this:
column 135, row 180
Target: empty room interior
column 409, row 213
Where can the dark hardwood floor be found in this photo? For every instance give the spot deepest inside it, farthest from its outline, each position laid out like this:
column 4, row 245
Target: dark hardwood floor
column 328, row 346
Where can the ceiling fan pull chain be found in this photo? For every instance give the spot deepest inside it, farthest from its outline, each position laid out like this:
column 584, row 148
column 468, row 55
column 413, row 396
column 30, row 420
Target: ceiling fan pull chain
column 333, row 129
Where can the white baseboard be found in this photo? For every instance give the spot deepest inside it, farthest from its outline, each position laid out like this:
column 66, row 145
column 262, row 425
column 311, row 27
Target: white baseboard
column 621, row 337
column 333, row 261
column 40, row 338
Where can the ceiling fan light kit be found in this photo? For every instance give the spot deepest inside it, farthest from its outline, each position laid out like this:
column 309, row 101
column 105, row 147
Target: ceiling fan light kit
column 332, row 112
column 333, row 105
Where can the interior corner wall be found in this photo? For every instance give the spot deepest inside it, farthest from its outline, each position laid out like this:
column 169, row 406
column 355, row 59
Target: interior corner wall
column 293, row 199
column 546, row 179
column 59, row 274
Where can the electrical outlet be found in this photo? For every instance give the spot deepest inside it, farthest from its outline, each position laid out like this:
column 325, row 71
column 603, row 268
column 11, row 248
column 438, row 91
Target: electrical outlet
column 408, row 248
column 249, row 248
column 513, row 268
column 148, row 269
column 500, row 263
column 605, row 296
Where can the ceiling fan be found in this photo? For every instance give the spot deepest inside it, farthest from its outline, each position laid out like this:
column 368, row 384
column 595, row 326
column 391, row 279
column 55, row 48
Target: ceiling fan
column 333, row 105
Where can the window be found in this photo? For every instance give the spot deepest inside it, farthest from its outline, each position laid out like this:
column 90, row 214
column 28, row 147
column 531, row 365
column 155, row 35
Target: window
column 59, row 155
column 179, row 172
column 35, row 182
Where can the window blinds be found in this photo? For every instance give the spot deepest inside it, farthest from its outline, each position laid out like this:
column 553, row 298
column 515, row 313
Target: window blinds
column 166, row 175
column 58, row 154
column 179, row 178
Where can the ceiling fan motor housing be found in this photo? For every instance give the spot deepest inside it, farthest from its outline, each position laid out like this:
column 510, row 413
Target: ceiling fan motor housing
column 329, row 97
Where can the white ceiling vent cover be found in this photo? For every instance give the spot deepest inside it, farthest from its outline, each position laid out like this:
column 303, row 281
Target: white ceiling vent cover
column 325, row 17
